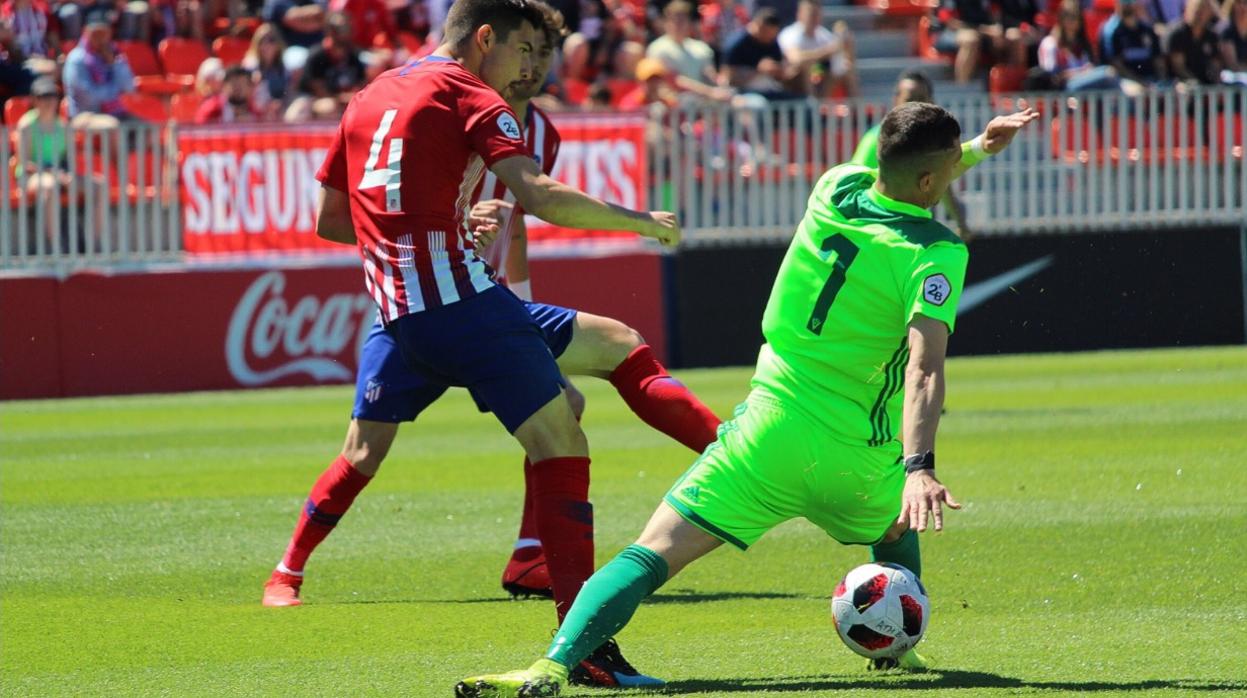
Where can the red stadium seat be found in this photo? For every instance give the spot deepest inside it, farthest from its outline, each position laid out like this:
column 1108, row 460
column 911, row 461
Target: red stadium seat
column 141, row 57
column 1005, row 78
column 15, row 108
column 182, row 57
column 146, row 107
column 230, row 49
column 184, row 107
column 902, row 8
column 926, row 41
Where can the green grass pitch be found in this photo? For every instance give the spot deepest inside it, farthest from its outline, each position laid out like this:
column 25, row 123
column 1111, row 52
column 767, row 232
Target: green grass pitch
column 1102, row 550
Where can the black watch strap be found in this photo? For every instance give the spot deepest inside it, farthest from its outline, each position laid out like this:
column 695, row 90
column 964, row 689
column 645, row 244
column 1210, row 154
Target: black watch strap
column 920, row 461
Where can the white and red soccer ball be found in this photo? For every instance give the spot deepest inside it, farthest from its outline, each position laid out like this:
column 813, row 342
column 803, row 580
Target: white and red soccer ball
column 880, row 610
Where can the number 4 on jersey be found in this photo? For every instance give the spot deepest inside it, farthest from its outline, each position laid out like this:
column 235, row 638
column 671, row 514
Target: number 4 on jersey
column 391, row 175
column 846, row 252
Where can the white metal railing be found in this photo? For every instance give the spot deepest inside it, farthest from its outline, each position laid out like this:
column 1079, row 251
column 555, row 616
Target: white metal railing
column 111, row 201
column 1094, row 162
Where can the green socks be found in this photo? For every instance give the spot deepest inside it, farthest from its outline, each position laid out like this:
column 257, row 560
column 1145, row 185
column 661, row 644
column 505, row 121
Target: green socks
column 606, row 603
column 903, row 551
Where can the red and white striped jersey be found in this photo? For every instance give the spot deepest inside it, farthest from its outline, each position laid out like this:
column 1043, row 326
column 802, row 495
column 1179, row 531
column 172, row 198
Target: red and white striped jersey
column 409, row 153
column 543, row 142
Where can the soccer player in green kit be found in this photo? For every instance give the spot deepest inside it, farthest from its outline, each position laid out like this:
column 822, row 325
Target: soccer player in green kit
column 911, row 86
column 839, row 427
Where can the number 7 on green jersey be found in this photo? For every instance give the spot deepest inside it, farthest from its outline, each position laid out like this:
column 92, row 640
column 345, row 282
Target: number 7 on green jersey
column 845, row 252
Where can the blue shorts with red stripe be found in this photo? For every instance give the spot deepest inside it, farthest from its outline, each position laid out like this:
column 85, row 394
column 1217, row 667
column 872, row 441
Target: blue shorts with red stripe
column 500, row 348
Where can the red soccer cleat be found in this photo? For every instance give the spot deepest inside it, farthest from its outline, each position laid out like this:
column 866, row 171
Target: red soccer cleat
column 527, row 575
column 282, row 589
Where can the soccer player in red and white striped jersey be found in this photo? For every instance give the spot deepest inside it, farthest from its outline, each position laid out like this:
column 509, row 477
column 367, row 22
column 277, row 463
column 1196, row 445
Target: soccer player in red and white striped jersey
column 445, row 320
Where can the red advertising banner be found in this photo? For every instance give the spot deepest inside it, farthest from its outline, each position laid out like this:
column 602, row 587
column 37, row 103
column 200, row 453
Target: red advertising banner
column 253, row 189
column 204, row 329
column 603, row 155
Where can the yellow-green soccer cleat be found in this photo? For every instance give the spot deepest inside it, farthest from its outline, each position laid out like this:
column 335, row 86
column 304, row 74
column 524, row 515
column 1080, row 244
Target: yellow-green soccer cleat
column 544, row 678
column 910, row 661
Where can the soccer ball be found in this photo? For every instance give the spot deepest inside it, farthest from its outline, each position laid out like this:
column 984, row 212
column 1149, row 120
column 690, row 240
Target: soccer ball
column 880, row 610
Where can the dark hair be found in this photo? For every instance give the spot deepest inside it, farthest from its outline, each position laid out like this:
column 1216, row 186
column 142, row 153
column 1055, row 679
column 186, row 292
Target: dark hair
column 913, row 131
column 236, row 71
column 921, row 78
column 767, row 17
column 505, row 16
column 552, row 23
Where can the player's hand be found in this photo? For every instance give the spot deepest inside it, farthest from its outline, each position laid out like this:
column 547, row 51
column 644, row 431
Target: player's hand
column 1001, row 130
column 663, row 227
column 924, row 497
column 491, row 208
column 483, row 230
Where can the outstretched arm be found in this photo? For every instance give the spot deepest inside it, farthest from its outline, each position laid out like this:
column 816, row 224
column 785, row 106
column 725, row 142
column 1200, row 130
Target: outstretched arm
column 560, row 204
column 995, row 138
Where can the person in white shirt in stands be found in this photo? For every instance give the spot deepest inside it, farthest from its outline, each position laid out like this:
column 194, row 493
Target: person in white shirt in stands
column 824, row 57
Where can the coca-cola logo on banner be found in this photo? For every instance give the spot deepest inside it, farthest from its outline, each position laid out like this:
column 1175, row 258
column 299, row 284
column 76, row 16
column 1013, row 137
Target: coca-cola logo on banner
column 271, row 336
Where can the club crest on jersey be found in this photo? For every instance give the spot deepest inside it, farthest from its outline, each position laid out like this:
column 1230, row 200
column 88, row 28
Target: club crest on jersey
column 508, row 126
column 372, row 391
column 935, row 289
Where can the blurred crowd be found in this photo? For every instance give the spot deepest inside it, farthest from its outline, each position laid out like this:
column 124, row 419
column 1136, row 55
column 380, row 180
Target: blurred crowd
column 1132, row 45
column 224, row 61
column 214, row 61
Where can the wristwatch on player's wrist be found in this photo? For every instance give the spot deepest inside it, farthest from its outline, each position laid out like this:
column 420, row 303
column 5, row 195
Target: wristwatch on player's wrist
column 919, row 461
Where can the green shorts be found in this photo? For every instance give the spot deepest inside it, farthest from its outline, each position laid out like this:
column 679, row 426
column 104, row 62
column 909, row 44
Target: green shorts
column 771, row 464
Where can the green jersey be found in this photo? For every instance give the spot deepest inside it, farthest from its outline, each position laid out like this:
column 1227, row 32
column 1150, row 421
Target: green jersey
column 859, row 268
column 867, row 152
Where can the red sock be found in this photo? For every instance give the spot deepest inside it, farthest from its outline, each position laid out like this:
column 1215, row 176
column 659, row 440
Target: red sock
column 662, row 401
column 330, row 498
column 565, row 520
column 528, row 543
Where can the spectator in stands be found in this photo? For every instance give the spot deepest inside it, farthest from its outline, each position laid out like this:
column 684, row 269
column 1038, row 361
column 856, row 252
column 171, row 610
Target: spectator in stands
column 1022, row 33
column 264, row 60
column 1194, row 53
column 823, row 58
column 969, row 27
column 42, row 154
column 753, row 61
column 234, row 104
column 334, row 69
column 785, row 10
column 15, row 77
column 652, row 87
column 1234, row 40
column 301, row 23
column 688, row 60
column 96, row 75
column 575, row 73
column 71, row 16
column 33, row 32
column 1135, row 47
column 210, row 78
column 1065, row 54
column 626, row 58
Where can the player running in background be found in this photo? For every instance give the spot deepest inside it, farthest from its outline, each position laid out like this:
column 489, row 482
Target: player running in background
column 856, row 331
column 443, row 313
column 911, row 86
